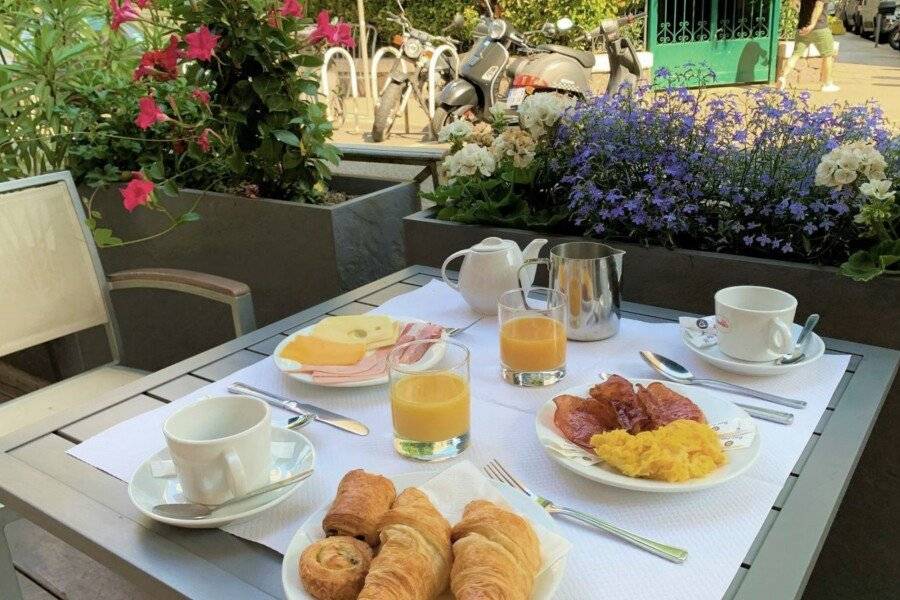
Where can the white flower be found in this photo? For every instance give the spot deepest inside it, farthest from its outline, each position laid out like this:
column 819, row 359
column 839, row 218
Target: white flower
column 825, row 172
column 498, row 113
column 849, row 161
column 518, row 144
column 878, row 189
column 539, row 112
column 843, row 176
column 471, row 159
column 455, row 130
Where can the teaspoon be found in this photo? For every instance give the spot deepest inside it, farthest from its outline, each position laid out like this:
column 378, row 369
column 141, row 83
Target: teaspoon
column 676, row 372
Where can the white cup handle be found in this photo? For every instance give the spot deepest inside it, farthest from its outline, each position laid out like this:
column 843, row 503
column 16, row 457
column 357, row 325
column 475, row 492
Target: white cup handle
column 450, row 258
column 781, row 339
column 237, row 477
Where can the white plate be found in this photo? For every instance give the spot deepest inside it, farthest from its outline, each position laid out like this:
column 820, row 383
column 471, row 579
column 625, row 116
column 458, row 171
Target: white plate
column 711, row 402
column 146, row 491
column 431, row 356
column 544, row 586
column 815, row 348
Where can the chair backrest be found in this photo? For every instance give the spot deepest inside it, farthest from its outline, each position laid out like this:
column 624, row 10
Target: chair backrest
column 51, row 281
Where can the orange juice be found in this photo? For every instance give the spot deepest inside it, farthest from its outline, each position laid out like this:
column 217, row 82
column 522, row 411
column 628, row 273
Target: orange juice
column 533, row 344
column 430, row 407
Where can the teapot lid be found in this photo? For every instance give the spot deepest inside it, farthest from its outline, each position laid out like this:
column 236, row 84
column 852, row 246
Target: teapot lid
column 493, row 244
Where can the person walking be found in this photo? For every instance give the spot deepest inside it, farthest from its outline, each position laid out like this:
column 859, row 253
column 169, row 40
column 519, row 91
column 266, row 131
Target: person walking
column 812, row 28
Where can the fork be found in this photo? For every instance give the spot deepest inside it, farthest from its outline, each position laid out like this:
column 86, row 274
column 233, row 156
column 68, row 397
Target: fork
column 452, row 331
column 498, row 472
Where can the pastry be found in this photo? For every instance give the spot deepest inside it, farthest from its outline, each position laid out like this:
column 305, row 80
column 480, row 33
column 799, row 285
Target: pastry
column 334, row 568
column 496, row 554
column 413, row 562
column 361, row 499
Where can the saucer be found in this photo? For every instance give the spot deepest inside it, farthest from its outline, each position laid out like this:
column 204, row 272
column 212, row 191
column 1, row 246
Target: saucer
column 146, row 491
column 815, row 348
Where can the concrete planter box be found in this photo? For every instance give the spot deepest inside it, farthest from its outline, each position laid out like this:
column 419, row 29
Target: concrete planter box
column 687, row 279
column 291, row 255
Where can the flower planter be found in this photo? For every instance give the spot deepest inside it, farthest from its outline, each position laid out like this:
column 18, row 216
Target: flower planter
column 686, row 279
column 291, row 255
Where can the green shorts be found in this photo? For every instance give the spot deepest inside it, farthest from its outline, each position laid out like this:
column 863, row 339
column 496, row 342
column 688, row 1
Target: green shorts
column 820, row 38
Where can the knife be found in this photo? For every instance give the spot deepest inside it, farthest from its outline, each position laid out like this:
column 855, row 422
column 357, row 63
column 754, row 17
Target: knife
column 321, row 414
column 767, row 414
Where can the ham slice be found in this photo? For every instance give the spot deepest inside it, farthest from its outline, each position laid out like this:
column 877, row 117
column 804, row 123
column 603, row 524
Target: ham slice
column 581, row 418
column 664, row 405
column 619, row 392
column 428, row 331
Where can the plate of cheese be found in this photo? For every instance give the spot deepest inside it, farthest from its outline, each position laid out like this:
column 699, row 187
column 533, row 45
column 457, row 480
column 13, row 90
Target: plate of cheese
column 352, row 351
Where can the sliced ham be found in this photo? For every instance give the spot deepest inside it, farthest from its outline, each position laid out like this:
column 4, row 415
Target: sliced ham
column 366, row 363
column 427, row 331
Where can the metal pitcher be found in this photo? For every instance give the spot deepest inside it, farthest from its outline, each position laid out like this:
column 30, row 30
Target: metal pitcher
column 590, row 275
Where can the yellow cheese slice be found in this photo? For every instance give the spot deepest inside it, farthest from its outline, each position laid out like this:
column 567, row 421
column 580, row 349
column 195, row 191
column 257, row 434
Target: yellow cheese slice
column 308, row 350
column 370, row 330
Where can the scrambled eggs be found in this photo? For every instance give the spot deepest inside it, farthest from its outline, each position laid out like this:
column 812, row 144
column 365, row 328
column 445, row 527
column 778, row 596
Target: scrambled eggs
column 678, row 451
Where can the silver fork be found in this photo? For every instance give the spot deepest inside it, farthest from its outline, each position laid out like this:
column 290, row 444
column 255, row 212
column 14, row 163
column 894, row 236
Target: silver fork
column 452, row 331
column 498, row 472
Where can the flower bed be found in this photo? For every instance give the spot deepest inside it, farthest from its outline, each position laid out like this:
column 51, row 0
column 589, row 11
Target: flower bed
column 732, row 173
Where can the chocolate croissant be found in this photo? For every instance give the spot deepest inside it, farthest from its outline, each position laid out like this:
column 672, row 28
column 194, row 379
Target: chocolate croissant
column 334, row 568
column 361, row 500
column 414, row 560
column 496, row 554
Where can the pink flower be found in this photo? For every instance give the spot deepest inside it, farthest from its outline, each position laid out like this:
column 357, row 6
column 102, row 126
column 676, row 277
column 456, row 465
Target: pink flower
column 272, row 19
column 333, row 35
column 201, row 96
column 201, row 43
column 291, row 8
column 203, row 141
column 137, row 192
column 122, row 13
column 161, row 65
column 149, row 113
column 143, row 3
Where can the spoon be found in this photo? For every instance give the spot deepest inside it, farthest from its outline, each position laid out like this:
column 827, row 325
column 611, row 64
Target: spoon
column 800, row 347
column 676, row 372
column 195, row 510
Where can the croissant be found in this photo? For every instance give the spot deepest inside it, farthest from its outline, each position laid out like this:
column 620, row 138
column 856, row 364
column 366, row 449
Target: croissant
column 334, row 568
column 414, row 560
column 361, row 499
column 496, row 554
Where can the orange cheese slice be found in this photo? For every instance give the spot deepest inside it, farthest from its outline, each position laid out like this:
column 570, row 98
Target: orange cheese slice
column 308, row 350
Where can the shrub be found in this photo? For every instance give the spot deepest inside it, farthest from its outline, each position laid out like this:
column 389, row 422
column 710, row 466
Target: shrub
column 790, row 13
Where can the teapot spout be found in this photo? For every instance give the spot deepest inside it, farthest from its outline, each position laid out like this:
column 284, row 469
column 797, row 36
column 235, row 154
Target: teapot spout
column 532, row 250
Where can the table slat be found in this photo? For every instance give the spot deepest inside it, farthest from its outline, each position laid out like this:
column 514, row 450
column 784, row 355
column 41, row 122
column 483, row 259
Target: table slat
column 785, row 491
column 103, row 420
column 422, row 279
column 256, row 565
column 392, row 291
column 268, row 346
column 354, row 308
column 178, row 387
column 760, row 537
column 228, row 365
column 305, row 324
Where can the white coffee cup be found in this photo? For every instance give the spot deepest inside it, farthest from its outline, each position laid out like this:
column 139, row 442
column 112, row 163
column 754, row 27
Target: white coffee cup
column 753, row 323
column 221, row 447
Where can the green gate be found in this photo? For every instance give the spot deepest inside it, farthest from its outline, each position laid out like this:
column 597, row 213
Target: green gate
column 738, row 39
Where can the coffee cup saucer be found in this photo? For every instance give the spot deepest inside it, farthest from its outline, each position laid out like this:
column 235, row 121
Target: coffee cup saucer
column 815, row 348
column 292, row 452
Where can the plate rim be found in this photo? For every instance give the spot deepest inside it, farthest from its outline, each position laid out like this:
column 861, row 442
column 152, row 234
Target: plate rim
column 641, row 484
column 350, row 384
column 762, row 369
column 425, row 475
column 217, row 522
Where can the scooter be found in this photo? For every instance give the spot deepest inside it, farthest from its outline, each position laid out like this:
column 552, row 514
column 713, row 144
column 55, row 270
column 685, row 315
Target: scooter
column 546, row 68
column 421, row 49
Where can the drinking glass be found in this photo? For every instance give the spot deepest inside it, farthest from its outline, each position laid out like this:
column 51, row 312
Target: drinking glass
column 429, row 388
column 532, row 336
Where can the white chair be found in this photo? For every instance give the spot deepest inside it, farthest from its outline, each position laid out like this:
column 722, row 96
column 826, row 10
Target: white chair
column 52, row 284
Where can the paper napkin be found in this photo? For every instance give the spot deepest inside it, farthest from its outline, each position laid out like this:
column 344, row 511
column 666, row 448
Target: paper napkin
column 700, row 332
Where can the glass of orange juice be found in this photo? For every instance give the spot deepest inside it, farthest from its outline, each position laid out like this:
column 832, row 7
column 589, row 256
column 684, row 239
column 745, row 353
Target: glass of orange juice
column 430, row 404
column 532, row 336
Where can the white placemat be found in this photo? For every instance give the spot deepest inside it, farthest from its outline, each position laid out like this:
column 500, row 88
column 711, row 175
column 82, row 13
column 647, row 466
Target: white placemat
column 716, row 526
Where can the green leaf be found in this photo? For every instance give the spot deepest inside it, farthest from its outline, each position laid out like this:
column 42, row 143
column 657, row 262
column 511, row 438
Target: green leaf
column 189, row 217
column 286, row 137
column 866, row 265
column 102, row 236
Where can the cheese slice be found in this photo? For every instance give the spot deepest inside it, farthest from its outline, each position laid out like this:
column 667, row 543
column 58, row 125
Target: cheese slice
column 309, row 350
column 374, row 331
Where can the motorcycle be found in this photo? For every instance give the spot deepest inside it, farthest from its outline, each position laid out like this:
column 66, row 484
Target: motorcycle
column 546, row 68
column 416, row 47
column 892, row 32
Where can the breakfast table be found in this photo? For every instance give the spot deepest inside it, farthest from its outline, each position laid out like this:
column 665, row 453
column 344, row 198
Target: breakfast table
column 89, row 508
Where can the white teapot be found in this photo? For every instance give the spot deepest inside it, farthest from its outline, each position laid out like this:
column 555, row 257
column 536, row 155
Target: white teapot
column 490, row 268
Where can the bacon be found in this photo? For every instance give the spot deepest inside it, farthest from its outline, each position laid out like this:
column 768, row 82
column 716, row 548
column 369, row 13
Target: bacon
column 581, row 418
column 619, row 392
column 664, row 405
